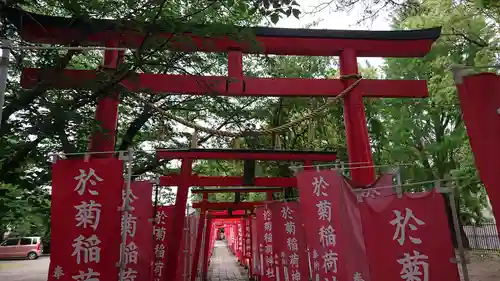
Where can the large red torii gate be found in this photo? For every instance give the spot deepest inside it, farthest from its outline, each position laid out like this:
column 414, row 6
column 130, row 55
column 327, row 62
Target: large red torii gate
column 348, row 45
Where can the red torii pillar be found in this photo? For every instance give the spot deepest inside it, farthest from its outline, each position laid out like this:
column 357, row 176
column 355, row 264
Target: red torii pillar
column 106, row 115
column 480, row 103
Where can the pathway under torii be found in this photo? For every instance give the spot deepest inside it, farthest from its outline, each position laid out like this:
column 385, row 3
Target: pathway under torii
column 224, row 265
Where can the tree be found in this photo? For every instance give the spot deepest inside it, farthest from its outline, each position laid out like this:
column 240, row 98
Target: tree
column 430, row 131
column 43, row 120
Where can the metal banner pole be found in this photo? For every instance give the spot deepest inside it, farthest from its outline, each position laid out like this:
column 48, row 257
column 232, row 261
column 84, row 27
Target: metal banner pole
column 202, row 257
column 4, row 69
column 125, row 210
column 456, row 226
column 186, row 240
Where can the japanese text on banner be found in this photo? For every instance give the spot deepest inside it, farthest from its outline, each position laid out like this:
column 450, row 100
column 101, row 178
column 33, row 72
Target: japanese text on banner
column 83, row 249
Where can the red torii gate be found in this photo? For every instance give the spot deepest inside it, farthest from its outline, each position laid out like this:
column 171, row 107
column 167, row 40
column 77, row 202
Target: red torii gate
column 348, row 45
column 185, row 179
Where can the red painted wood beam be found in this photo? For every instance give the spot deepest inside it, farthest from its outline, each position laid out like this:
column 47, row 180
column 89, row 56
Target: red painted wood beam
column 226, row 216
column 280, row 41
column 227, row 205
column 244, row 190
column 195, row 180
column 242, row 154
column 226, row 212
column 226, row 86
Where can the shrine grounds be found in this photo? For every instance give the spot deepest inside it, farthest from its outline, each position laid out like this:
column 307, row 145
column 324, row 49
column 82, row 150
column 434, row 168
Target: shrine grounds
column 484, row 266
column 24, row 270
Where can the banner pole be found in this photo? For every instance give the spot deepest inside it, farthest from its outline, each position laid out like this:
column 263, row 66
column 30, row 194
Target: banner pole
column 126, row 207
column 186, row 245
column 456, row 226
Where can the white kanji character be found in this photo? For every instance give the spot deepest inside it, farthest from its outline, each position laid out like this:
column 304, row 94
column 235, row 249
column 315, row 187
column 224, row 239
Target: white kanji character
column 269, row 259
column 160, row 218
column 268, row 237
column 88, row 247
column 415, row 268
column 129, row 275
column 90, row 275
column 268, row 249
column 131, row 199
column 266, row 214
column 268, row 226
column 88, row 214
column 131, row 253
column 130, row 224
column 283, row 258
column 327, row 236
column 294, row 259
column 316, row 265
column 160, row 233
column 58, row 272
column 82, row 181
column 319, row 185
column 286, row 212
column 292, row 244
column 401, row 223
column 324, row 210
column 290, row 227
column 330, row 261
column 158, row 268
column 295, row 275
column 315, row 254
column 159, row 251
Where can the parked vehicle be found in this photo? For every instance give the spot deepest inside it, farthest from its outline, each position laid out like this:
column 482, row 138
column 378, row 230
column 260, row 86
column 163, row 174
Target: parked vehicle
column 21, row 247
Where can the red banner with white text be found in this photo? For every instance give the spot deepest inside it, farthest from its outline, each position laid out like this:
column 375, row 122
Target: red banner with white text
column 290, row 251
column 333, row 227
column 138, row 226
column 413, row 235
column 163, row 224
column 86, row 196
column 264, row 217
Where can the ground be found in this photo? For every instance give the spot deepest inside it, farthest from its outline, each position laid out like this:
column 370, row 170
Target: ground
column 223, row 266
column 24, row 270
column 482, row 267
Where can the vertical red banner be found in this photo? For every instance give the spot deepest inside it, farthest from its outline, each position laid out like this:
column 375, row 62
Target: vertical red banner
column 248, row 239
column 86, row 196
column 320, row 203
column 163, row 223
column 265, row 238
column 239, row 246
column 412, row 233
column 290, row 251
column 139, row 227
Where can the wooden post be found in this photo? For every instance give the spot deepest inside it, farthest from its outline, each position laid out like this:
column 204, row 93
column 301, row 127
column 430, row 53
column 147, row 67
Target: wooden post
column 456, row 226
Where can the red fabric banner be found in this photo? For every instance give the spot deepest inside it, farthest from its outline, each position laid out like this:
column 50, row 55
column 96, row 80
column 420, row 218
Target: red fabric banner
column 290, row 251
column 480, row 100
column 320, row 194
column 248, row 238
column 413, row 235
column 139, row 244
column 163, row 224
column 239, row 245
column 265, row 238
column 86, row 196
